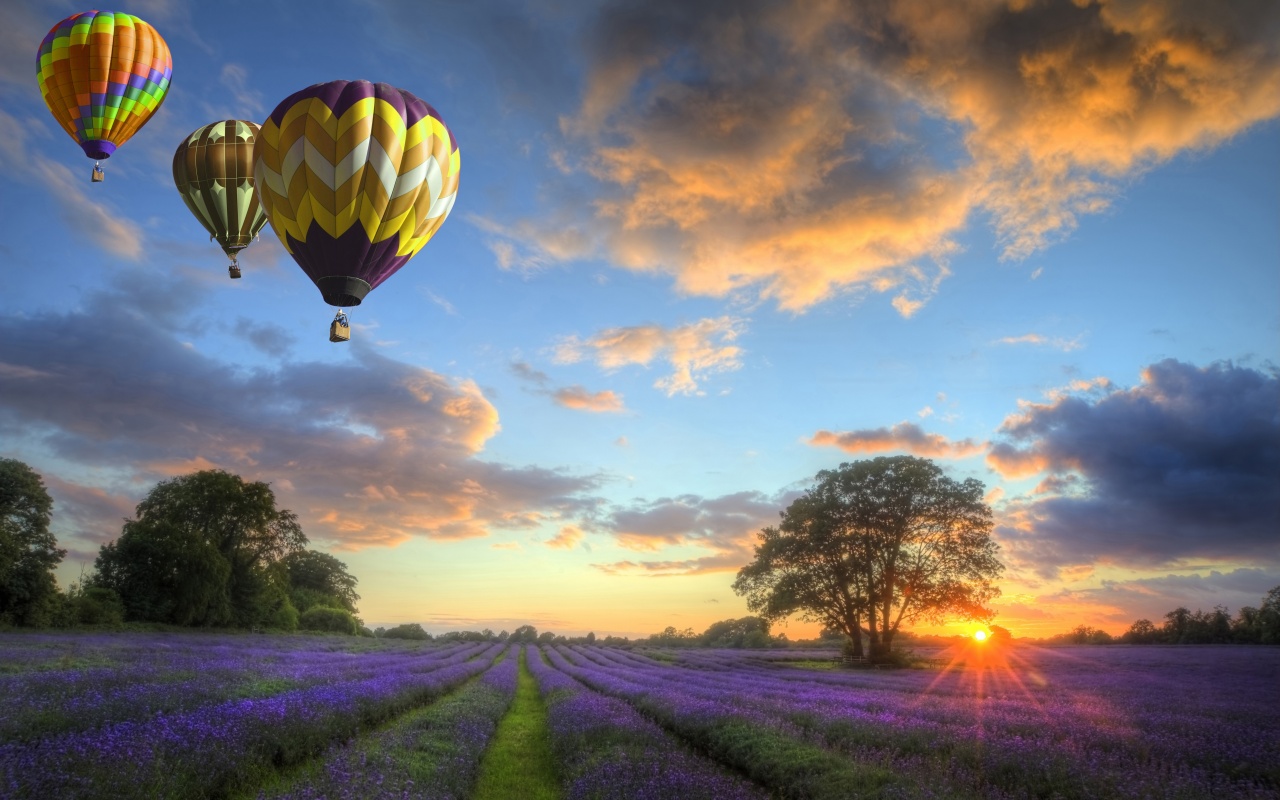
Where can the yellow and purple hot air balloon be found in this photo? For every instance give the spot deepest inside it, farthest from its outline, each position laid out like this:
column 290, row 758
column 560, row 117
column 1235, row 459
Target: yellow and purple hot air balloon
column 355, row 177
column 103, row 74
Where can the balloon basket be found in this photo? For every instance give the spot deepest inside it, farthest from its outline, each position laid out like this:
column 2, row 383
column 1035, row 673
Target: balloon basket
column 234, row 271
column 340, row 329
column 97, row 175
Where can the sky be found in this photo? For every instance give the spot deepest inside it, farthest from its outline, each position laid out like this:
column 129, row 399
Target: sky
column 700, row 252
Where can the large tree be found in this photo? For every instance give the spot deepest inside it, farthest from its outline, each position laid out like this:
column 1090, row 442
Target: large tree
column 205, row 549
column 28, row 551
column 319, row 579
column 874, row 545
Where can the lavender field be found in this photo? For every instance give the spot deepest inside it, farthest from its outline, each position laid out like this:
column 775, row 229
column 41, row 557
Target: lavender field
column 187, row 715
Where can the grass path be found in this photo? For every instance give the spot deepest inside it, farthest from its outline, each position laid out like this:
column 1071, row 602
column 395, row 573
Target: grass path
column 518, row 764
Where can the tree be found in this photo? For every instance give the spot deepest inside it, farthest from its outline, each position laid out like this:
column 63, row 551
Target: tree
column 204, row 550
column 319, row 579
column 333, row 620
column 409, row 630
column 28, row 551
column 1142, row 631
column 525, row 633
column 744, row 632
column 1177, row 625
column 890, row 541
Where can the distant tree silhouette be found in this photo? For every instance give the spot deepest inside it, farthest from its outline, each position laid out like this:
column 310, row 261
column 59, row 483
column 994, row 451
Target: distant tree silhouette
column 525, row 633
column 886, row 542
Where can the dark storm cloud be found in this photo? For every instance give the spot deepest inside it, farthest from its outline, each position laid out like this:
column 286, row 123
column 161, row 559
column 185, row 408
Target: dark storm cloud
column 369, row 451
column 1185, row 465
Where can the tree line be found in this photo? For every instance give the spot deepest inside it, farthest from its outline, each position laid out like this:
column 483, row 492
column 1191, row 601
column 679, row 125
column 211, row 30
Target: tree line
column 1250, row 625
column 207, row 549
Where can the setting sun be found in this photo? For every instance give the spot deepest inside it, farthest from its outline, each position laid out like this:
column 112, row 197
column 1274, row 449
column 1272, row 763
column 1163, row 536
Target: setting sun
column 980, row 635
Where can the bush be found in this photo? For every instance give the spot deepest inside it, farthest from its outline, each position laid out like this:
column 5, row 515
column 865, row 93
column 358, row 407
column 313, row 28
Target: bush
column 409, row 630
column 97, row 606
column 335, row 620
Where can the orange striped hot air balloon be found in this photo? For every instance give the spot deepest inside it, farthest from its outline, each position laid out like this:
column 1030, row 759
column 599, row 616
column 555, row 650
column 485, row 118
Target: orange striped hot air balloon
column 103, row 74
column 355, row 177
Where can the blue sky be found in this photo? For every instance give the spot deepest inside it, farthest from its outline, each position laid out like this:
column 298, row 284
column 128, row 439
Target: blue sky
column 700, row 252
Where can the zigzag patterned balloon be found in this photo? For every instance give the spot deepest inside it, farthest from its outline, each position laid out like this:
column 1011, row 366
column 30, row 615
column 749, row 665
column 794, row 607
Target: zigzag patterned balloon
column 213, row 170
column 103, row 75
column 355, row 177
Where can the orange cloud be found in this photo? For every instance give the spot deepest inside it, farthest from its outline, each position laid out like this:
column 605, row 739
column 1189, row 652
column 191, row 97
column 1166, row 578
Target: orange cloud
column 846, row 147
column 1013, row 463
column 578, row 398
column 905, row 436
column 692, row 351
column 566, row 539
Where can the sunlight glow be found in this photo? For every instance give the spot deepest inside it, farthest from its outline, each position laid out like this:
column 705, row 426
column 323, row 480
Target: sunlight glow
column 980, row 635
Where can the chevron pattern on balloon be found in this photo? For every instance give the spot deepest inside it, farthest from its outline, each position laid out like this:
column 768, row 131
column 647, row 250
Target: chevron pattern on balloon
column 363, row 166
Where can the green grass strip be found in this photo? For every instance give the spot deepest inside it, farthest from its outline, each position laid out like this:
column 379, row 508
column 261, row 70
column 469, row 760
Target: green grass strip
column 519, row 764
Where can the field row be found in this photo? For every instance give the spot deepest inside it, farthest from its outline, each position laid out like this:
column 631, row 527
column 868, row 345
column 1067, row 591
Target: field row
column 293, row 718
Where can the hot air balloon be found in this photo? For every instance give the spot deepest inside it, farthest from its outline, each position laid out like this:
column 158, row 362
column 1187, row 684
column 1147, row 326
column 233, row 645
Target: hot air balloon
column 103, row 74
column 213, row 170
column 355, row 177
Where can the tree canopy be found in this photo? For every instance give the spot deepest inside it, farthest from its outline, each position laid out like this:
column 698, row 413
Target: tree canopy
column 205, row 549
column 28, row 551
column 319, row 579
column 874, row 545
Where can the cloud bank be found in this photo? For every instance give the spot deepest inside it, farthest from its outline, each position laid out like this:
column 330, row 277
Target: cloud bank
column 369, row 451
column 795, row 151
column 1186, row 465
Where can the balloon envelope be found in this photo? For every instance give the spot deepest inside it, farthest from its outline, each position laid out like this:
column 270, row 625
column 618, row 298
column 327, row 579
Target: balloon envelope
column 103, row 74
column 355, row 178
column 213, row 170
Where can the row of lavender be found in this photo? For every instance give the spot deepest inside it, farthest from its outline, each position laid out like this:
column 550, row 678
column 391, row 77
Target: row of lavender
column 60, row 683
column 1030, row 723
column 433, row 753
column 174, row 746
column 604, row 748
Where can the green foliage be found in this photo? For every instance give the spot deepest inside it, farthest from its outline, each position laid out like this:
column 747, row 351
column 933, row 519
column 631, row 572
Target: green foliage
column 744, row 632
column 875, row 544
column 525, row 633
column 319, row 579
column 409, row 630
column 328, row 620
column 204, row 550
column 165, row 573
column 28, row 551
column 95, row 605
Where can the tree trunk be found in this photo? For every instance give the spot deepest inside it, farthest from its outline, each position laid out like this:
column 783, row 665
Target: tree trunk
column 853, row 630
